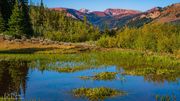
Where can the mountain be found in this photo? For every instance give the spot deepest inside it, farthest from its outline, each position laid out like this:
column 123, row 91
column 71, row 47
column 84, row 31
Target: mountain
column 83, row 10
column 101, row 19
column 169, row 14
column 113, row 18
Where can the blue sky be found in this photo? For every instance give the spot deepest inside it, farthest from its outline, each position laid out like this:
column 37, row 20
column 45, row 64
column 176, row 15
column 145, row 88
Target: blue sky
column 100, row 5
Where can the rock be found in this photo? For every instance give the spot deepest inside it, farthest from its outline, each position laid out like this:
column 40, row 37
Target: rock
column 7, row 37
column 23, row 38
column 17, row 40
column 1, row 37
column 34, row 42
column 34, row 39
column 28, row 40
column 67, row 44
column 41, row 40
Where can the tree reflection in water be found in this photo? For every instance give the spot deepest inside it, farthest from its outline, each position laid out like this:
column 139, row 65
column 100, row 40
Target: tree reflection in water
column 13, row 77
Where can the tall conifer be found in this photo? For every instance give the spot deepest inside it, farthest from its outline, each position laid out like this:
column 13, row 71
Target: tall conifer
column 16, row 21
column 27, row 26
column 2, row 24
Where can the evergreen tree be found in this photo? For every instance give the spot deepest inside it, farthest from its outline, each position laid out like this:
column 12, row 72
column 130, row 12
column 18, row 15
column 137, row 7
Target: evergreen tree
column 41, row 11
column 27, row 26
column 85, row 21
column 40, row 19
column 2, row 24
column 5, row 9
column 16, row 21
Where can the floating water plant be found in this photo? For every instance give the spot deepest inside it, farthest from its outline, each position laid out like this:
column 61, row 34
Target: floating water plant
column 165, row 98
column 96, row 94
column 102, row 76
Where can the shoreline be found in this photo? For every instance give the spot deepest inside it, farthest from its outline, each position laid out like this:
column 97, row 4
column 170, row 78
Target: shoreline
column 45, row 46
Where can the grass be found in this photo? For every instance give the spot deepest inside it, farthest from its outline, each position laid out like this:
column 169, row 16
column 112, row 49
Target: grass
column 96, row 94
column 10, row 98
column 101, row 76
column 155, row 74
column 165, row 98
column 38, row 48
column 120, row 58
column 166, row 67
column 69, row 69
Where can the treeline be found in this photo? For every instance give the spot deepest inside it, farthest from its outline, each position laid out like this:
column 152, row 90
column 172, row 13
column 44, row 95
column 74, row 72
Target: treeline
column 155, row 37
column 14, row 18
column 57, row 26
column 39, row 21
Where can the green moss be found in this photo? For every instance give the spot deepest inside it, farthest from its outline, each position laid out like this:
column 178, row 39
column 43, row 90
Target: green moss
column 95, row 94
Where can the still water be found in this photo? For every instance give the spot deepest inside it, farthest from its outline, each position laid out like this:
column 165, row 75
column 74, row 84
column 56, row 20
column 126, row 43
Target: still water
column 29, row 82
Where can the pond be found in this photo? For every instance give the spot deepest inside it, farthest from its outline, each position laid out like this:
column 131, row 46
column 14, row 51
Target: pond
column 45, row 80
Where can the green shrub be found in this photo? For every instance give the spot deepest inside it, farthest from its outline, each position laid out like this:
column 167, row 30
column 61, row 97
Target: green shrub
column 154, row 37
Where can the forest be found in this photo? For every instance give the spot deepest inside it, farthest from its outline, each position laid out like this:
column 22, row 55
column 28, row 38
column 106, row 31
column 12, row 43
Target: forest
column 19, row 18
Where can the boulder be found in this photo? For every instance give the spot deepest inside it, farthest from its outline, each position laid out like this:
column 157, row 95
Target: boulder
column 23, row 38
column 17, row 40
column 7, row 37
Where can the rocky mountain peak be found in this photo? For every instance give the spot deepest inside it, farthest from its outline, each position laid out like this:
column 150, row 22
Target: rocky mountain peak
column 83, row 10
column 115, row 12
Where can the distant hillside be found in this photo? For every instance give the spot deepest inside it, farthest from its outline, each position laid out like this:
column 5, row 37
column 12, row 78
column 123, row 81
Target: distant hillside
column 114, row 18
column 109, row 17
column 169, row 14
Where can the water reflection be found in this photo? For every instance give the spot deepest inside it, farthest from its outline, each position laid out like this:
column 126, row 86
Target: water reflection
column 150, row 74
column 54, row 83
column 13, row 77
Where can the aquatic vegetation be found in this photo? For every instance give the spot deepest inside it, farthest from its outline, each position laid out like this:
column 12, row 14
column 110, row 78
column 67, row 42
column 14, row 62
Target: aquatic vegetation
column 95, row 94
column 133, row 62
column 165, row 98
column 116, row 57
column 69, row 69
column 155, row 74
column 10, row 97
column 101, row 76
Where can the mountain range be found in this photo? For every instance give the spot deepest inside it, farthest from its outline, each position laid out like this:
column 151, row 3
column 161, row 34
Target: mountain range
column 114, row 18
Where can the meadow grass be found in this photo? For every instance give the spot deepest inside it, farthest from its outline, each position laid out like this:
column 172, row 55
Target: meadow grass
column 134, row 62
column 128, row 58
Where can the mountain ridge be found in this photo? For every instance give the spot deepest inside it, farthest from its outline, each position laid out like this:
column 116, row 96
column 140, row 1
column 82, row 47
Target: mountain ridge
column 115, row 17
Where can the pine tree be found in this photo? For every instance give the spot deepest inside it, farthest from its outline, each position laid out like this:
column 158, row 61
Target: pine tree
column 2, row 24
column 41, row 11
column 40, row 19
column 16, row 21
column 5, row 9
column 27, row 26
column 85, row 21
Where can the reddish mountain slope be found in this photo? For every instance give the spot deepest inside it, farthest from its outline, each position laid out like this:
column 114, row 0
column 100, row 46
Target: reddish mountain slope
column 119, row 17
